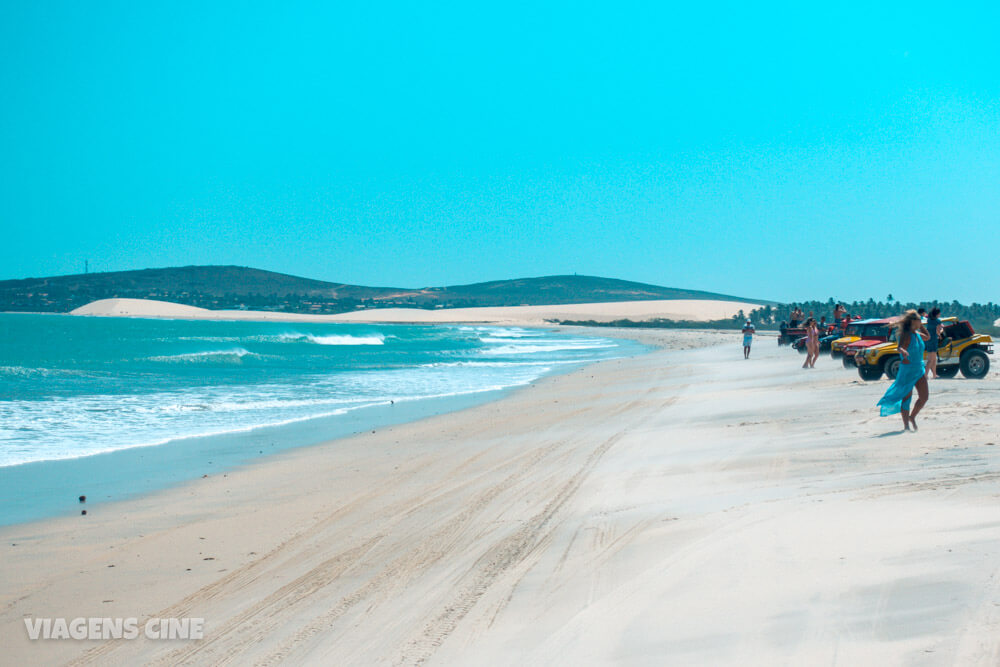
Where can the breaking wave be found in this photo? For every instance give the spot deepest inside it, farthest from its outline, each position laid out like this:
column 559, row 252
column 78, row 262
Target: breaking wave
column 232, row 355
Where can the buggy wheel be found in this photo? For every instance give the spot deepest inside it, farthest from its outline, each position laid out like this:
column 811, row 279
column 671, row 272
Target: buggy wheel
column 869, row 373
column 891, row 366
column 947, row 371
column 975, row 364
column 848, row 362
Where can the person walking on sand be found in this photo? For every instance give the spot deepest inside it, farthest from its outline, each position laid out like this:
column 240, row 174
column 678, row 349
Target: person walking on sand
column 812, row 343
column 748, row 332
column 910, row 338
column 934, row 331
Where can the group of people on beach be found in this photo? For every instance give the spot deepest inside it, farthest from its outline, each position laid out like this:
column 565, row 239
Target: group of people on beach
column 913, row 337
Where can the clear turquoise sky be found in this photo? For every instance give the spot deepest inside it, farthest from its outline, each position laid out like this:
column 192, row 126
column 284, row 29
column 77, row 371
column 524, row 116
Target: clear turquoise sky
column 780, row 151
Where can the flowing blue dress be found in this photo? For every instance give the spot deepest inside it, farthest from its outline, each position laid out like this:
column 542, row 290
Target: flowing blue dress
column 898, row 395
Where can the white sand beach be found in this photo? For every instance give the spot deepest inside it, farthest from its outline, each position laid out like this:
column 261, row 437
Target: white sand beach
column 680, row 309
column 682, row 507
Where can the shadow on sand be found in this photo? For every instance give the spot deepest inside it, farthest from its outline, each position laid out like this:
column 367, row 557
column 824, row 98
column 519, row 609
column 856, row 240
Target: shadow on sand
column 891, row 433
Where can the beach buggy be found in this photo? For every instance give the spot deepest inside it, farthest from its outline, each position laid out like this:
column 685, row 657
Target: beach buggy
column 961, row 349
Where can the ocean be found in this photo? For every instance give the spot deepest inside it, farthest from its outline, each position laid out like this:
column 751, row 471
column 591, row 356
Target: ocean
column 125, row 406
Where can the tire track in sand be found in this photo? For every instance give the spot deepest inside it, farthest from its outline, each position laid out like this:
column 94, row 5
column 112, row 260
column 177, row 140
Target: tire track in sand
column 404, row 569
column 498, row 559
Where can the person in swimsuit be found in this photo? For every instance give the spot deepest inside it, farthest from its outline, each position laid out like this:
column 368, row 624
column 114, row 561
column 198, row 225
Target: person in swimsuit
column 748, row 331
column 812, row 343
column 934, row 330
column 910, row 338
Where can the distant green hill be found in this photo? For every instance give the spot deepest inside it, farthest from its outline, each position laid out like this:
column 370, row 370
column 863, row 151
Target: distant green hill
column 550, row 290
column 232, row 287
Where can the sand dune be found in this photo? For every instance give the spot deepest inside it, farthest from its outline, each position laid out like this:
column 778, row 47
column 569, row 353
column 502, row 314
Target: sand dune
column 138, row 308
column 681, row 309
column 683, row 507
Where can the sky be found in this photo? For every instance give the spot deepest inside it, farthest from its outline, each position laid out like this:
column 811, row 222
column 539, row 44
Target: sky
column 782, row 151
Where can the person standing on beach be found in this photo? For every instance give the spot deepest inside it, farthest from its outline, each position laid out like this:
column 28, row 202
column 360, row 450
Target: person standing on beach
column 839, row 312
column 934, row 330
column 910, row 338
column 748, row 332
column 812, row 343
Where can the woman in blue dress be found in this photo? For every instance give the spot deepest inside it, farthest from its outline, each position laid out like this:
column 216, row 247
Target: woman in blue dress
column 910, row 339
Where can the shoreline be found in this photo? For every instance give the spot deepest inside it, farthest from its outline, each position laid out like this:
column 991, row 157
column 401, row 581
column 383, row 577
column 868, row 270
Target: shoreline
column 144, row 469
column 48, row 489
column 681, row 505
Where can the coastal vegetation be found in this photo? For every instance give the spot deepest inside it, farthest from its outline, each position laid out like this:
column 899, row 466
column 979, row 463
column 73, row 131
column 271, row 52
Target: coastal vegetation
column 242, row 288
column 770, row 317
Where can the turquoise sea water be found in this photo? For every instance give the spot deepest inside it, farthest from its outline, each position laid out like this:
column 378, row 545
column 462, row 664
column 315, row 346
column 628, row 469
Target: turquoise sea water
column 127, row 405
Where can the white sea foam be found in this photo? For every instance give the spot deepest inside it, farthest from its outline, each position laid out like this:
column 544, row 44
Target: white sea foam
column 60, row 451
column 499, row 339
column 330, row 339
column 24, row 372
column 533, row 348
column 205, row 339
column 501, row 364
column 291, row 337
column 253, row 405
column 347, row 340
column 102, row 433
column 505, row 334
column 232, row 354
